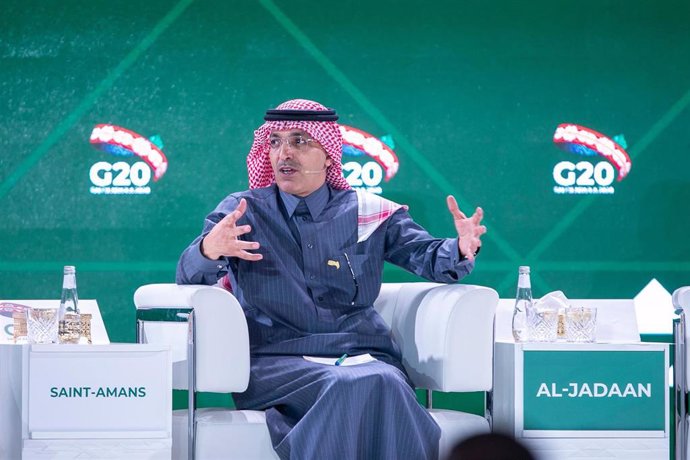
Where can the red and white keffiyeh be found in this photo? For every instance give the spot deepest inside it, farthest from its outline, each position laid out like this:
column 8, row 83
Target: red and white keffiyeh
column 372, row 211
column 326, row 132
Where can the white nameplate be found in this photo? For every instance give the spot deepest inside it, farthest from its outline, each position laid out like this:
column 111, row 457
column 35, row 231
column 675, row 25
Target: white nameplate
column 99, row 391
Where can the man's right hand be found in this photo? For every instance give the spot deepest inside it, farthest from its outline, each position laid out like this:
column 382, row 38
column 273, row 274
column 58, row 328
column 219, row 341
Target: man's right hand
column 222, row 239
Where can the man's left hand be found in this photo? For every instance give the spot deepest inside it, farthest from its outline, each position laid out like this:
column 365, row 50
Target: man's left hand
column 469, row 229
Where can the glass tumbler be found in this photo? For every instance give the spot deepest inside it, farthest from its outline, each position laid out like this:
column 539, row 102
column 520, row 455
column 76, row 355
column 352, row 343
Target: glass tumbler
column 42, row 325
column 580, row 324
column 542, row 323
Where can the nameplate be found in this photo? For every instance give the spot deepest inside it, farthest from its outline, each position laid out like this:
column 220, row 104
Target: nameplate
column 595, row 392
column 99, row 391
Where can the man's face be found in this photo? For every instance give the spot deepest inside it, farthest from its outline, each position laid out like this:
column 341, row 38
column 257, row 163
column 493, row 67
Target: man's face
column 298, row 161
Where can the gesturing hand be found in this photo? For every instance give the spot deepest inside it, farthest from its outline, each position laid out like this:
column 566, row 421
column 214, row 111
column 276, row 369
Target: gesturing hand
column 222, row 239
column 468, row 228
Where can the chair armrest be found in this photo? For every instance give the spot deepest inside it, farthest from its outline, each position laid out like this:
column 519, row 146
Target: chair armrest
column 221, row 339
column 681, row 305
column 447, row 339
column 681, row 299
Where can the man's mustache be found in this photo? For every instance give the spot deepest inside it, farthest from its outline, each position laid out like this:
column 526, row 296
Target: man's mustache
column 288, row 164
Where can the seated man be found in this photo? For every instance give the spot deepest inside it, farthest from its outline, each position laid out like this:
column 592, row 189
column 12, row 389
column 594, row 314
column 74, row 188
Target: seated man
column 303, row 254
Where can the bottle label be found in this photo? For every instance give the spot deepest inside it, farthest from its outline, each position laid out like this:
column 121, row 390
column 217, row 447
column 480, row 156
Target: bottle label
column 524, row 281
column 69, row 282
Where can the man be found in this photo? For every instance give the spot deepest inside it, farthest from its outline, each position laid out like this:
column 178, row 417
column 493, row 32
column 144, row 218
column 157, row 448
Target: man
column 304, row 255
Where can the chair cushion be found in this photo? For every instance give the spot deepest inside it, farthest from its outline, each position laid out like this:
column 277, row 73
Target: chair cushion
column 224, row 434
column 456, row 426
column 242, row 434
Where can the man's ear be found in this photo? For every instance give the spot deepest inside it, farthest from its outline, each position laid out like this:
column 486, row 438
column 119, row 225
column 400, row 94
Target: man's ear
column 328, row 162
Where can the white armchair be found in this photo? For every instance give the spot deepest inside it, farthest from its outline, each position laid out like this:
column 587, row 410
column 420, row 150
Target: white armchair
column 681, row 370
column 445, row 333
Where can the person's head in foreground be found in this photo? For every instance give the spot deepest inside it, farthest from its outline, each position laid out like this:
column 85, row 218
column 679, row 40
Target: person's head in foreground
column 490, row 446
column 299, row 147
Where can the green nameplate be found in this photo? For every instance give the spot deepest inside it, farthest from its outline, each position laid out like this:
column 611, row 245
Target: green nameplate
column 594, row 390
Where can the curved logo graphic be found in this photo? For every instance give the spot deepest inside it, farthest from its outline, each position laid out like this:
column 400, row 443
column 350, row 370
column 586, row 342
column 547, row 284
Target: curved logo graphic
column 371, row 160
column 121, row 177
column 586, row 176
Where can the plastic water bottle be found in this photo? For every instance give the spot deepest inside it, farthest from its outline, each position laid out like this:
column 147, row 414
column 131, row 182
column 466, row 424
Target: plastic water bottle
column 69, row 326
column 523, row 302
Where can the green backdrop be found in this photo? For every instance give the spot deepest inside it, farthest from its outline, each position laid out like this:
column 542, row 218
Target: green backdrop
column 470, row 92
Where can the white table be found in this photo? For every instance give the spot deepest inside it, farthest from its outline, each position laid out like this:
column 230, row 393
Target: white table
column 584, row 401
column 85, row 401
column 99, row 335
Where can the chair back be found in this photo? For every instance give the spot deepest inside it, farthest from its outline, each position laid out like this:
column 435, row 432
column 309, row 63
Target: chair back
column 445, row 333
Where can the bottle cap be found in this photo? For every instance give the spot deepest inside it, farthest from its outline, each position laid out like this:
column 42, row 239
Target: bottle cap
column 523, row 269
column 69, row 269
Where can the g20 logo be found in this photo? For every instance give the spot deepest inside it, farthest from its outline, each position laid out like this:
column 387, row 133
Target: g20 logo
column 587, row 177
column 377, row 161
column 369, row 174
column 121, row 177
column 120, row 174
column 583, row 173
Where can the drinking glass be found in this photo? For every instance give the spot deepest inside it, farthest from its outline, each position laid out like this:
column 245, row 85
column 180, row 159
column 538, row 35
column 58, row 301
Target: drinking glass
column 580, row 324
column 19, row 323
column 70, row 328
column 542, row 323
column 42, row 325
